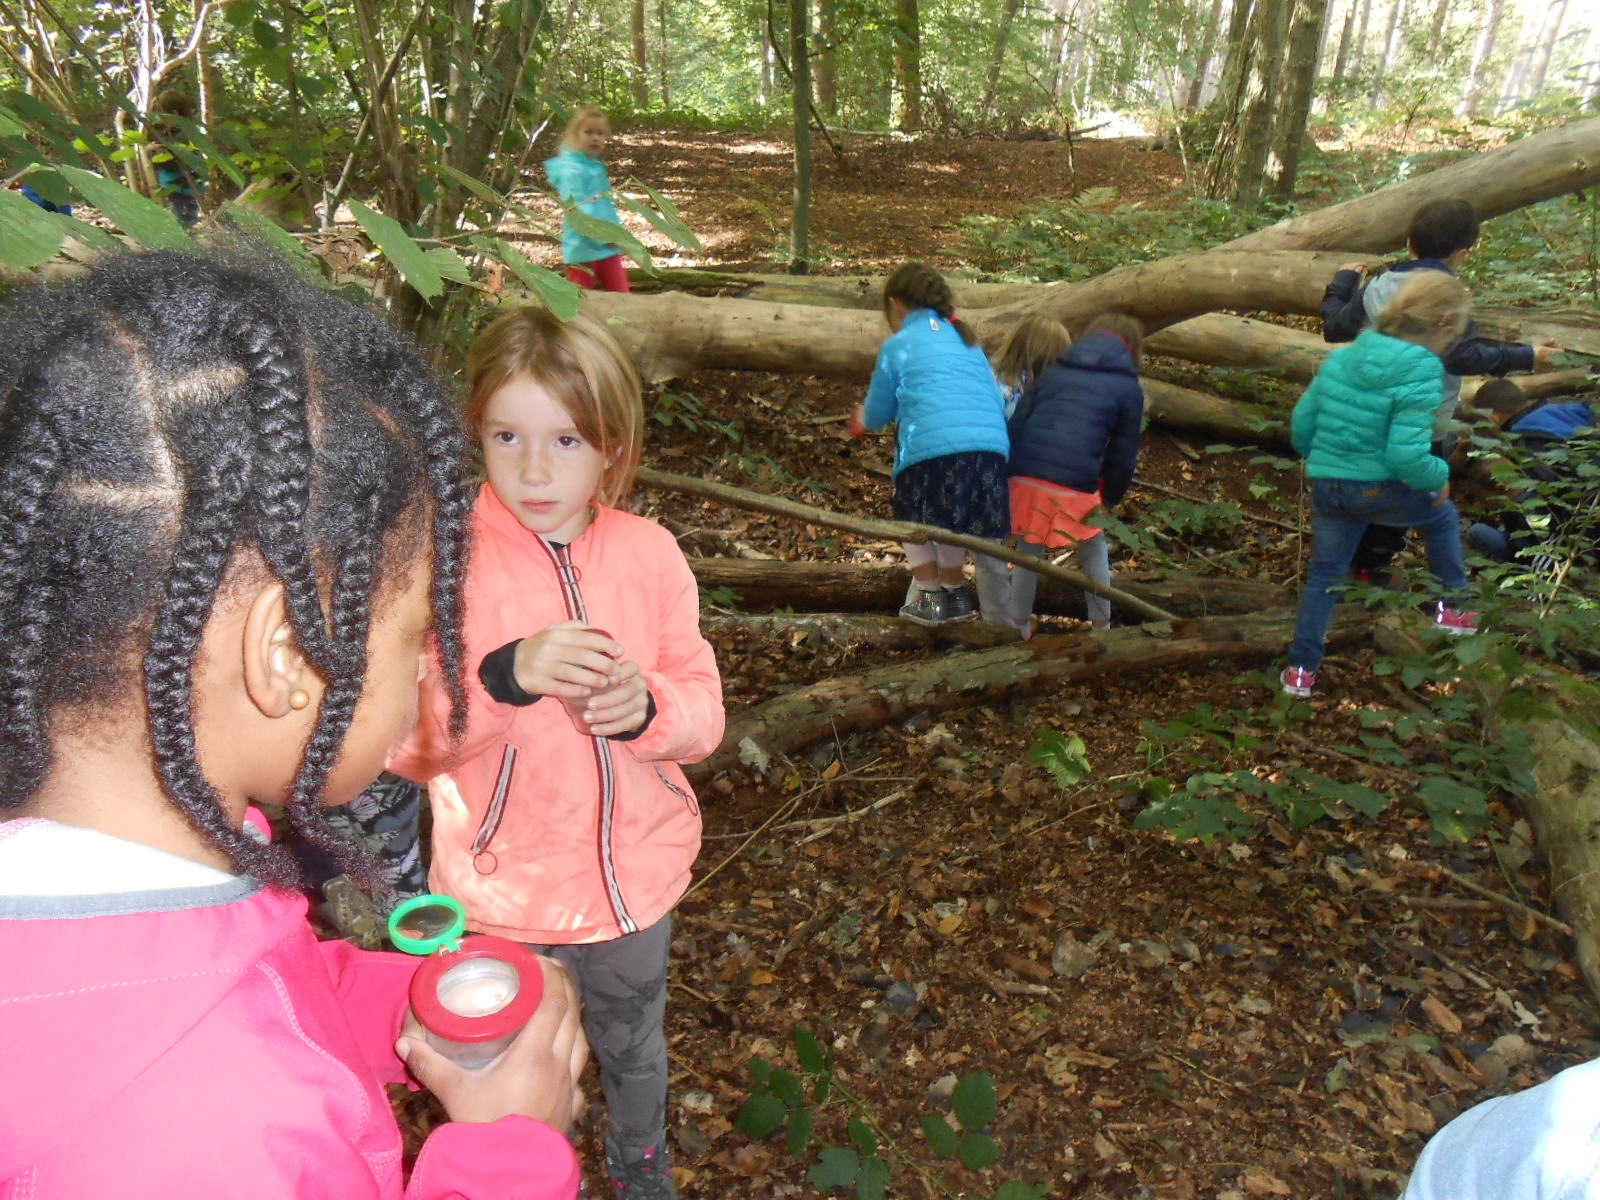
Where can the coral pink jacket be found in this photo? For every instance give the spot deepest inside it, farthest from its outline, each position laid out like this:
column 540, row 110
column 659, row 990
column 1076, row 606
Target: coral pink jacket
column 200, row 1041
column 547, row 834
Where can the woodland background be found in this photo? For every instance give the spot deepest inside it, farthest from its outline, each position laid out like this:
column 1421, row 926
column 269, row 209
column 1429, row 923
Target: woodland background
column 1091, row 917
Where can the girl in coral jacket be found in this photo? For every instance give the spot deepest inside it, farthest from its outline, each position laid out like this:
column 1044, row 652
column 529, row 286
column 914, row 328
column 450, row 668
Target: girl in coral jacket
column 563, row 819
column 221, row 595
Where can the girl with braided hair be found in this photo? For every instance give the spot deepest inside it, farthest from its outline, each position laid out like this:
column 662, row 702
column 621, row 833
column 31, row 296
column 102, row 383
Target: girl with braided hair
column 232, row 509
column 950, row 449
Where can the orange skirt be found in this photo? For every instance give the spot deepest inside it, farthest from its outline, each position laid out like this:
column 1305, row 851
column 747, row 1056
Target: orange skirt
column 1050, row 515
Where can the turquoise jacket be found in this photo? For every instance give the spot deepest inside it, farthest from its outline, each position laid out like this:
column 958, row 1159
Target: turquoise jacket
column 580, row 179
column 1368, row 415
column 941, row 391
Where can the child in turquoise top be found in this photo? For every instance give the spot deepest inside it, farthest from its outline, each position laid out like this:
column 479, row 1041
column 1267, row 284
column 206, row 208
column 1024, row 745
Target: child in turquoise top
column 579, row 178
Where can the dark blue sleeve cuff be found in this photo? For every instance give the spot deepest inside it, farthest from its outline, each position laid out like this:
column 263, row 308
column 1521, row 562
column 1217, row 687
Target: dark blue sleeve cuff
column 498, row 674
column 649, row 716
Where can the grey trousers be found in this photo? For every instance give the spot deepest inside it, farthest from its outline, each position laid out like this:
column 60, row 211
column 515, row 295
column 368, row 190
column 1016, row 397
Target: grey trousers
column 1006, row 593
column 623, row 986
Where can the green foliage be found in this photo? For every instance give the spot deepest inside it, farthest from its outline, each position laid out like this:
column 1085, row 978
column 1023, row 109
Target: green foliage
column 1065, row 758
column 687, row 411
column 787, row 1103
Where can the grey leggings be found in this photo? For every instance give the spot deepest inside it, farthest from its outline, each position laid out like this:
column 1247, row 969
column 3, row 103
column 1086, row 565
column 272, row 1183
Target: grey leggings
column 623, row 986
column 1006, row 593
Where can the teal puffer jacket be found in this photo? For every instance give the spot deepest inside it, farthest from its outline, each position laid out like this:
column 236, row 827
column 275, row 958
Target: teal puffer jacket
column 940, row 390
column 580, row 179
column 1368, row 415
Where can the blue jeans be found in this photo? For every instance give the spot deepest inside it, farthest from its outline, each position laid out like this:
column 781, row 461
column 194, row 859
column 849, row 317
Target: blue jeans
column 1340, row 510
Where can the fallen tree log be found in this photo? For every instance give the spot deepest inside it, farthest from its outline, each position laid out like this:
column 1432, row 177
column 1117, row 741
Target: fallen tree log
column 857, row 703
column 852, row 630
column 893, row 531
column 763, row 584
column 1565, row 812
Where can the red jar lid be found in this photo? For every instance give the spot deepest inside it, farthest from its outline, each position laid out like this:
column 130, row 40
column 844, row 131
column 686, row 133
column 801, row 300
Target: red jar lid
column 454, row 1027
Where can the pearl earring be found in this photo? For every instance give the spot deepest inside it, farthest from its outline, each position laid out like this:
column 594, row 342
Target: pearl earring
column 299, row 698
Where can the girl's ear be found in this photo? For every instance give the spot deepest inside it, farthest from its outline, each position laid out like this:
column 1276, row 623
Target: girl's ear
column 277, row 677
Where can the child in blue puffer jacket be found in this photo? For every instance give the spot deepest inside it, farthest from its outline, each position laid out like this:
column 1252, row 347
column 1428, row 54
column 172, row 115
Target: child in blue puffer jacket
column 933, row 378
column 579, row 178
column 1365, row 426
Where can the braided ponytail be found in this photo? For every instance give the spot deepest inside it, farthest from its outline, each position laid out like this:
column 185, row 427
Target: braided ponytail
column 917, row 285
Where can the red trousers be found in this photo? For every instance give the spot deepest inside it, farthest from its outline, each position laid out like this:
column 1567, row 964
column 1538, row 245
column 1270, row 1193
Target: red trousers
column 607, row 274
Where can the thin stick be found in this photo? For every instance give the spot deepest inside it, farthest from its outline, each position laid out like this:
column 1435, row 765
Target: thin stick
column 1507, row 902
column 894, row 531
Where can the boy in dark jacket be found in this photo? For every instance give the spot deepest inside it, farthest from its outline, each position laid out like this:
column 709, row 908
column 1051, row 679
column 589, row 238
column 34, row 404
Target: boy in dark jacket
column 1442, row 233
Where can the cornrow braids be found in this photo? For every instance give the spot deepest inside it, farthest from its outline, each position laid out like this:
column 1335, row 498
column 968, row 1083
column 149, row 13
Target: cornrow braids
column 165, row 413
column 917, row 285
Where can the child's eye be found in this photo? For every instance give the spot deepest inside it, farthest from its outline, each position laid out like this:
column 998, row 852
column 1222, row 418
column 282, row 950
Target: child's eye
column 503, row 436
column 568, row 441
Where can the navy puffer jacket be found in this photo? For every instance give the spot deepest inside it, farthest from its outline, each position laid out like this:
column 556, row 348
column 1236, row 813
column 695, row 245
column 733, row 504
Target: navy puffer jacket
column 1078, row 425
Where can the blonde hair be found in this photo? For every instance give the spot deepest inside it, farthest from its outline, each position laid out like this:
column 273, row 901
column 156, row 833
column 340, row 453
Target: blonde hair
column 1428, row 301
column 1121, row 325
column 582, row 366
column 1031, row 346
column 581, row 116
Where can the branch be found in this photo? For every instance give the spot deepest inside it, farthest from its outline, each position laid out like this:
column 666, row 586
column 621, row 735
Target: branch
column 894, row 531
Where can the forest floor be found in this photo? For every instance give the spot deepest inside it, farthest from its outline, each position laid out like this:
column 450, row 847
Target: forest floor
column 1290, row 1015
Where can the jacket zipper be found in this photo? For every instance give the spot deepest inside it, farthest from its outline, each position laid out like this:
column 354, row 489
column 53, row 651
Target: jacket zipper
column 483, row 859
column 572, row 596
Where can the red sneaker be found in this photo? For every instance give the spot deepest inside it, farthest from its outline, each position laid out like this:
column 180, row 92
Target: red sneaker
column 1297, row 681
column 1456, row 621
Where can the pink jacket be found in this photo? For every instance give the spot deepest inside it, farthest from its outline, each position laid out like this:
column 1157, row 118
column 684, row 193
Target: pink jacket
column 546, row 834
column 202, row 1042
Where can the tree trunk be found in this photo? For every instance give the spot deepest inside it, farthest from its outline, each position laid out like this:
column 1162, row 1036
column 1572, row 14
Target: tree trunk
column 1554, row 15
column 905, row 106
column 1482, row 51
column 764, row 584
column 1306, row 26
column 1260, row 98
column 850, row 704
column 1564, row 811
column 769, row 66
column 827, row 73
column 639, row 80
column 1342, row 56
column 800, row 77
column 1208, row 48
column 1441, row 16
column 664, row 83
column 1391, row 37
column 997, row 56
column 1359, row 54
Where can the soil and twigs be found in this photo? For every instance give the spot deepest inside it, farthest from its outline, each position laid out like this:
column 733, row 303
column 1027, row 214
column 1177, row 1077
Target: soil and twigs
column 1289, row 1015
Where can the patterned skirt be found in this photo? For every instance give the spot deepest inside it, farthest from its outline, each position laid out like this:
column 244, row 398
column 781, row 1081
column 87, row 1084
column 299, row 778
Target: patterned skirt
column 964, row 493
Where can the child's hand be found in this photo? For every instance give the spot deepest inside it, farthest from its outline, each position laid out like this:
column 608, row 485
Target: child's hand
column 1353, row 266
column 570, row 661
column 620, row 707
column 857, row 426
column 1543, row 352
column 536, row 1077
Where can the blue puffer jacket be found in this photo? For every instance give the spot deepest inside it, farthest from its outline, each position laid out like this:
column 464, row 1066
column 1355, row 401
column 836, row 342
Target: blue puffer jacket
column 1368, row 415
column 941, row 390
column 1078, row 426
column 580, row 179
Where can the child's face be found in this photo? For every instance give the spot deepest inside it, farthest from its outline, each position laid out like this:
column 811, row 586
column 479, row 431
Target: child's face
column 540, row 466
column 592, row 137
column 397, row 662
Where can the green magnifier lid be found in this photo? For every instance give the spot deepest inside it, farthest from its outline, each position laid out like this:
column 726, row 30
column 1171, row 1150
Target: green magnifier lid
column 427, row 923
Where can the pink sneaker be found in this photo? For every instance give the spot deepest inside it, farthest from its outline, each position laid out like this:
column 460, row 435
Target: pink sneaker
column 1297, row 681
column 1456, row 621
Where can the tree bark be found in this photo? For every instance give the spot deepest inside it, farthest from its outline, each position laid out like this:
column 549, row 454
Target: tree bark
column 1306, row 25
column 906, row 90
column 1260, row 98
column 850, row 704
column 1208, row 48
column 893, row 531
column 1341, row 56
column 827, row 72
column 997, row 56
column 764, row 584
column 639, row 80
column 1391, row 35
column 800, row 77
column 1441, row 16
column 769, row 66
column 1554, row 15
column 1564, row 811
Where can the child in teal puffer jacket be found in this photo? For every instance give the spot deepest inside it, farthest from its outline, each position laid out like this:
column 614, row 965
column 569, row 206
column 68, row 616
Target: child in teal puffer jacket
column 579, row 178
column 1364, row 426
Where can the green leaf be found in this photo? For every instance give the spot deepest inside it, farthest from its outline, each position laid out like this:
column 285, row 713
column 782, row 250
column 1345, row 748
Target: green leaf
column 872, row 1179
column 762, row 1116
column 942, row 1140
column 28, row 236
column 861, row 1136
column 760, row 1069
column 243, row 219
column 836, row 1168
column 476, row 186
column 609, row 231
column 397, row 246
column 1015, row 1189
column 10, row 124
column 799, row 1131
column 93, row 236
column 676, row 230
column 787, row 1087
column 560, row 295
column 974, row 1100
column 145, row 221
column 809, row 1051
column 978, row 1150
column 449, row 264
column 213, row 153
